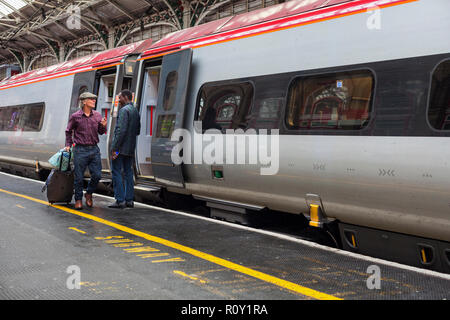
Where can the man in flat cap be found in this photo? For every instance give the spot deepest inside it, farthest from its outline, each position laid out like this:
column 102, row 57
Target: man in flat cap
column 83, row 129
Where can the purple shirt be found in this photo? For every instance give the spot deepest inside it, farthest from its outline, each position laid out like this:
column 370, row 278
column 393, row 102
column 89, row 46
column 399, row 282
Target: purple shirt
column 85, row 129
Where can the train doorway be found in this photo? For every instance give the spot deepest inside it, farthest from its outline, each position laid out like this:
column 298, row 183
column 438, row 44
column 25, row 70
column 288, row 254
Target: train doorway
column 123, row 80
column 104, row 89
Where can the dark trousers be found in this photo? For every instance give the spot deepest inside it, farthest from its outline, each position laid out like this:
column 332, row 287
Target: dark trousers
column 123, row 187
column 86, row 157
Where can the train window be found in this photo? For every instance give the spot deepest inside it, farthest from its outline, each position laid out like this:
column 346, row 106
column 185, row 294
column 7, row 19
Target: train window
column 170, row 90
column 331, row 101
column 224, row 106
column 439, row 109
column 27, row 117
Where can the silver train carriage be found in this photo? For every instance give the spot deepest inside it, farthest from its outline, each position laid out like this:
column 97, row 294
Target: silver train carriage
column 36, row 105
column 340, row 113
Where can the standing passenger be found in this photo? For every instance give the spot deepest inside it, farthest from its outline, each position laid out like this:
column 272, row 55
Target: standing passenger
column 123, row 148
column 85, row 125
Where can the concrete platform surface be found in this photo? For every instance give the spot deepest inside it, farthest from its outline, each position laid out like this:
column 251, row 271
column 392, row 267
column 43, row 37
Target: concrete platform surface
column 57, row 252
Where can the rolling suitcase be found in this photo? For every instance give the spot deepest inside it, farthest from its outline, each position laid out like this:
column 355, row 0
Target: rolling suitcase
column 59, row 184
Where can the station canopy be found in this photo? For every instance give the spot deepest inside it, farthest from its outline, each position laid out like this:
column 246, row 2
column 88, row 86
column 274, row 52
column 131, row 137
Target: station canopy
column 10, row 6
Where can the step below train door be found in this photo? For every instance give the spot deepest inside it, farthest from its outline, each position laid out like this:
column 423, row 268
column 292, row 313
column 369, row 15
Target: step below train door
column 169, row 116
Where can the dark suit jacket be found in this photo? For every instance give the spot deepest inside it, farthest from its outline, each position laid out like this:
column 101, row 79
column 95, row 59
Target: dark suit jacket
column 128, row 126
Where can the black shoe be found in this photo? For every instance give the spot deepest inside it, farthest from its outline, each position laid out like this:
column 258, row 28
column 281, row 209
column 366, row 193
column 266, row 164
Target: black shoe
column 117, row 205
column 130, row 204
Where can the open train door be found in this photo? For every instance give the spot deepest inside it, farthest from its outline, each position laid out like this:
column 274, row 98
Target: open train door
column 169, row 116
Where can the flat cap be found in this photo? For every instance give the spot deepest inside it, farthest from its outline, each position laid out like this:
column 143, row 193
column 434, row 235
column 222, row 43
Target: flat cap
column 87, row 95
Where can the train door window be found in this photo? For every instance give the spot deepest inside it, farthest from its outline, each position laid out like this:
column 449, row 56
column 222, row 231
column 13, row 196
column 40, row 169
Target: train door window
column 339, row 101
column 439, row 108
column 27, row 117
column 224, row 106
column 83, row 89
column 76, row 106
column 170, row 90
column 126, row 83
column 165, row 125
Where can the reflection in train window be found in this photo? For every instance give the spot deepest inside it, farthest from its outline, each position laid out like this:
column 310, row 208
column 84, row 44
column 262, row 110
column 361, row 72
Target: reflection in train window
column 27, row 117
column 269, row 108
column 439, row 109
column 170, row 90
column 83, row 89
column 332, row 101
column 266, row 113
column 224, row 106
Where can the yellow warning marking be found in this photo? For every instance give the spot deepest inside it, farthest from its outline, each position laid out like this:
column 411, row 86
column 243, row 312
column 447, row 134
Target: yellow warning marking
column 196, row 253
column 107, row 238
column 118, row 241
column 168, row 260
column 142, row 249
column 89, row 284
column 353, row 240
column 152, row 255
column 126, row 245
column 77, row 230
column 424, row 257
column 19, row 206
column 181, row 273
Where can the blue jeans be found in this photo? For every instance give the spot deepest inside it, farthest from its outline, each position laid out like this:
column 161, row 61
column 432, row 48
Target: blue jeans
column 123, row 186
column 86, row 157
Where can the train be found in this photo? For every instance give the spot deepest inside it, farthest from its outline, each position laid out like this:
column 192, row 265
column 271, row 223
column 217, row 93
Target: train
column 335, row 110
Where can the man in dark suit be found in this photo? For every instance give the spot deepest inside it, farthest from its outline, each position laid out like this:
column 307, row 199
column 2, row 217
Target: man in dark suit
column 123, row 148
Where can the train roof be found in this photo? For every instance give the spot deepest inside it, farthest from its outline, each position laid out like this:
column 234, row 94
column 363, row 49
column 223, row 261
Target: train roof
column 94, row 61
column 284, row 15
column 277, row 17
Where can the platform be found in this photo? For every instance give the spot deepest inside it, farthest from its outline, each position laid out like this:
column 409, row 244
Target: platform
column 159, row 254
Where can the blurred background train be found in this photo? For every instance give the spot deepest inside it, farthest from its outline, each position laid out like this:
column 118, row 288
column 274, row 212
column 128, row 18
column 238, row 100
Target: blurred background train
column 359, row 91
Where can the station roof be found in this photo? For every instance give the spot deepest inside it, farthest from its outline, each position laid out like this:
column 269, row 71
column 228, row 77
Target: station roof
column 9, row 6
column 30, row 25
column 90, row 62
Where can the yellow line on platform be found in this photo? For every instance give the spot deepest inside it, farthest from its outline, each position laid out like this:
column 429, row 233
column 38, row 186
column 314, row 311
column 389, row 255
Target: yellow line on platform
column 77, row 230
column 181, row 273
column 202, row 255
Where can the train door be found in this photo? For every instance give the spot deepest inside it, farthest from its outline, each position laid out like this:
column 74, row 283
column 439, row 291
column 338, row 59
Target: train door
column 147, row 106
column 169, row 115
